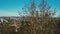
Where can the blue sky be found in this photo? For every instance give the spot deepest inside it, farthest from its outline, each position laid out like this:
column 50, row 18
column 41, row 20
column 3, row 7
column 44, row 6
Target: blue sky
column 10, row 7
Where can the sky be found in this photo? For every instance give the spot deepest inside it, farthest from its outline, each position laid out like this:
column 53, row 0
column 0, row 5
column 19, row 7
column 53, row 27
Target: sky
column 10, row 7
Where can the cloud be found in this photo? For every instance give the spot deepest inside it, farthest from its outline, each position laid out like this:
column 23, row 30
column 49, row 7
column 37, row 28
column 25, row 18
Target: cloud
column 6, row 13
